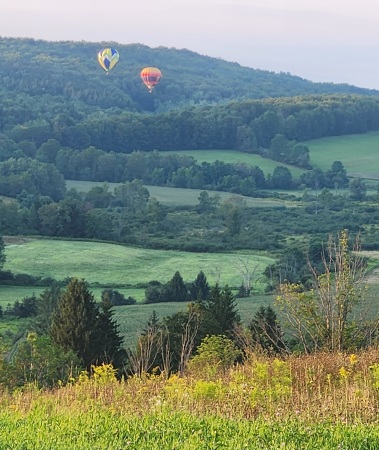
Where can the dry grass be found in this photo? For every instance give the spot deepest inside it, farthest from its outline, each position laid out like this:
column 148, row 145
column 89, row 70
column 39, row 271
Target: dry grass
column 338, row 388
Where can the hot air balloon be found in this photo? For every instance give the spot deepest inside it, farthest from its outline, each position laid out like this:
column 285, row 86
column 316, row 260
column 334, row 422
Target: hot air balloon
column 108, row 58
column 151, row 77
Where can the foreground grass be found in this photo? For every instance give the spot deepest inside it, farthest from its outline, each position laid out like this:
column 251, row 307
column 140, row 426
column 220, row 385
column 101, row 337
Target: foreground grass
column 321, row 402
column 115, row 265
column 104, row 430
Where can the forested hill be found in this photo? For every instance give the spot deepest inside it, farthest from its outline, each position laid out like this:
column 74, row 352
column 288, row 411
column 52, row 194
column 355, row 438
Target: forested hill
column 56, row 102
column 43, row 76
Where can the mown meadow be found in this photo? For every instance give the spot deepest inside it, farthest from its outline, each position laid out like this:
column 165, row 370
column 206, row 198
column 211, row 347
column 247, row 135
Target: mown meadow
column 128, row 270
column 358, row 153
column 112, row 265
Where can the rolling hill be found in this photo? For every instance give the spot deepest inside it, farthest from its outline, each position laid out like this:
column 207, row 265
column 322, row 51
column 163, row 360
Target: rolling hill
column 68, row 71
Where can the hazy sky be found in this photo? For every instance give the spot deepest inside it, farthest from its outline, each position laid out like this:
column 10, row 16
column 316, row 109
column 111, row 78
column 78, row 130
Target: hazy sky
column 323, row 40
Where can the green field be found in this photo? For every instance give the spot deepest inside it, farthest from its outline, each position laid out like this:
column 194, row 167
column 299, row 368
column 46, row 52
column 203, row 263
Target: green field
column 115, row 265
column 9, row 294
column 122, row 268
column 181, row 197
column 359, row 153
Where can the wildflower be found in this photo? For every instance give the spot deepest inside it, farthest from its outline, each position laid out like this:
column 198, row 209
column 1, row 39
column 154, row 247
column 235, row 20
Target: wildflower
column 344, row 373
column 353, row 359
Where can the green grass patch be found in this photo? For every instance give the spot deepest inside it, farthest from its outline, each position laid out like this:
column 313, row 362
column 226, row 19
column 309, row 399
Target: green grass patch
column 101, row 428
column 9, row 294
column 115, row 265
column 358, row 153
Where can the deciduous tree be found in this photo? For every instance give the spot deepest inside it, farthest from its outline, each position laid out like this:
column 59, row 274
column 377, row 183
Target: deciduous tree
column 322, row 318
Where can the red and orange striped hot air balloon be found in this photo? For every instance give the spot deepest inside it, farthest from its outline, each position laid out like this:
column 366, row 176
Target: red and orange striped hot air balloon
column 151, row 76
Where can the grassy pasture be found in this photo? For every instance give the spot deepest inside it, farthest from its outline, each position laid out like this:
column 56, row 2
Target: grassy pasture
column 9, row 294
column 179, row 196
column 121, row 266
column 359, row 153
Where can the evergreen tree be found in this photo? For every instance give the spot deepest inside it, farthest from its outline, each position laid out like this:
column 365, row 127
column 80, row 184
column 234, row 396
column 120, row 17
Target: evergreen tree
column 74, row 322
column 222, row 314
column 176, row 289
column 266, row 330
column 199, row 289
column 110, row 348
column 81, row 326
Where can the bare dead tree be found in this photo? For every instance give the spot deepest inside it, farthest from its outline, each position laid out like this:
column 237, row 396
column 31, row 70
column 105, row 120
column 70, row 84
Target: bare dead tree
column 216, row 272
column 143, row 357
column 165, row 353
column 189, row 334
column 247, row 271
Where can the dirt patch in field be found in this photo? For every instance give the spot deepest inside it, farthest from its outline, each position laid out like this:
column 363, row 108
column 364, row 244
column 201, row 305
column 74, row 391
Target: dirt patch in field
column 373, row 276
column 15, row 240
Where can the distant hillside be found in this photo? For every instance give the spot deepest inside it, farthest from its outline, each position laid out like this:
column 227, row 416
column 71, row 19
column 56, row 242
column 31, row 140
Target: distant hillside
column 59, row 108
column 42, row 71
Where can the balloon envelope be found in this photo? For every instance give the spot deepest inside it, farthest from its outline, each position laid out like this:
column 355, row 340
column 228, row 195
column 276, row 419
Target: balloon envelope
column 108, row 58
column 151, row 77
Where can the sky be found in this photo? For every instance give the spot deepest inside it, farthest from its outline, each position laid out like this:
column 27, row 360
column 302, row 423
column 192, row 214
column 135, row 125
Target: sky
column 325, row 40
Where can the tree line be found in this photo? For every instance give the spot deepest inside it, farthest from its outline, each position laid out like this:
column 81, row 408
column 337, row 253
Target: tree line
column 41, row 177
column 129, row 215
column 248, row 125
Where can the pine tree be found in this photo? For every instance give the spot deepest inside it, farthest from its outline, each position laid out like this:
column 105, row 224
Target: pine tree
column 266, row 330
column 176, row 289
column 199, row 289
column 81, row 326
column 110, row 345
column 222, row 309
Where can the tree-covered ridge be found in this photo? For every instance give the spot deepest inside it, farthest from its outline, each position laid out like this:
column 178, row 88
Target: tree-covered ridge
column 69, row 71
